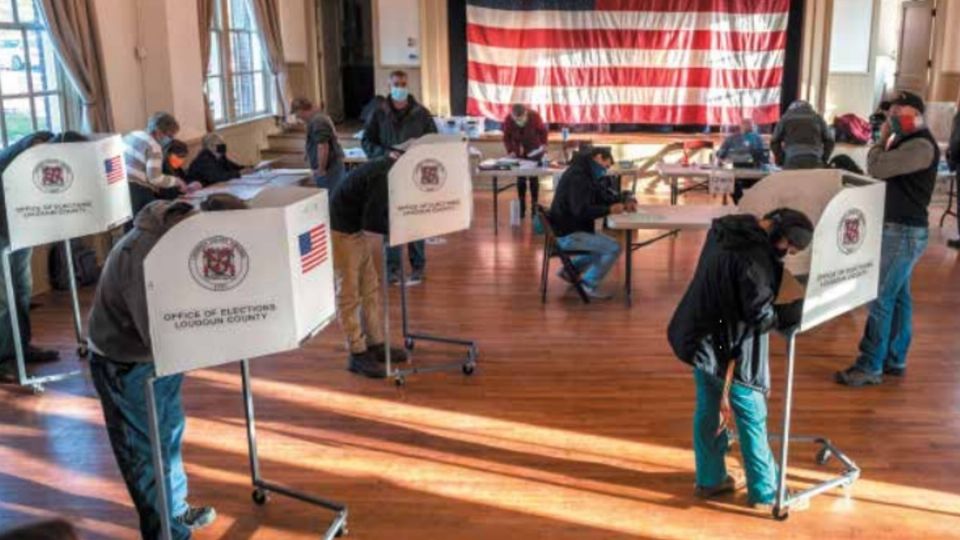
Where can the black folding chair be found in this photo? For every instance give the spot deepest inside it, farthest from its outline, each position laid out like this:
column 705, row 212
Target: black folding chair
column 550, row 250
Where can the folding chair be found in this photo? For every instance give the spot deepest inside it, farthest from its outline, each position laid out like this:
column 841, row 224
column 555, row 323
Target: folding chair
column 552, row 249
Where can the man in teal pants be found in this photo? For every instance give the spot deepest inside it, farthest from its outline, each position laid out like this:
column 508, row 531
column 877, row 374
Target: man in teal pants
column 720, row 328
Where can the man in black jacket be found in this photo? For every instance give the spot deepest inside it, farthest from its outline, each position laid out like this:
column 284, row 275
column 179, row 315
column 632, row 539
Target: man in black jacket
column 212, row 165
column 720, row 328
column 398, row 119
column 359, row 203
column 20, row 272
column 582, row 197
column 906, row 158
column 953, row 160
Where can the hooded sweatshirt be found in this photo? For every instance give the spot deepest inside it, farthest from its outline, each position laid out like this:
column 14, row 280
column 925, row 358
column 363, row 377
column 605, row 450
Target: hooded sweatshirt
column 729, row 303
column 119, row 325
column 801, row 134
column 581, row 198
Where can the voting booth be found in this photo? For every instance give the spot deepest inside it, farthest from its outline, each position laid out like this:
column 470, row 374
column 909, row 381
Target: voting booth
column 430, row 194
column 844, row 275
column 235, row 285
column 54, row 193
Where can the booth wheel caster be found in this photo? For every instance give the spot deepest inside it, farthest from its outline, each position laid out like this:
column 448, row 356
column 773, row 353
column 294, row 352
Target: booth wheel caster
column 781, row 514
column 83, row 351
column 824, row 455
column 37, row 389
column 259, row 497
column 399, row 381
column 342, row 531
column 408, row 344
column 468, row 368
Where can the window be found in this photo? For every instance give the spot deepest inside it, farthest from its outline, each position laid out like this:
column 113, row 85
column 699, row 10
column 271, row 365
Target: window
column 239, row 83
column 31, row 98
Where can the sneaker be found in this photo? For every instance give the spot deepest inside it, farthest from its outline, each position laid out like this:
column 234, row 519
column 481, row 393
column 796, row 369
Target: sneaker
column 397, row 355
column 729, row 485
column 955, row 244
column 797, row 506
column 895, row 371
column 596, row 294
column 856, row 377
column 36, row 355
column 393, row 278
column 197, row 517
column 366, row 364
column 416, row 277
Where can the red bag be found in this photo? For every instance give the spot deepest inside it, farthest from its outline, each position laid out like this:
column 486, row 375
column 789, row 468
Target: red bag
column 851, row 129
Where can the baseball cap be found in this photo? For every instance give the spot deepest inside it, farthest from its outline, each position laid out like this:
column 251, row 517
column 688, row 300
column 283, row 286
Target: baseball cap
column 909, row 99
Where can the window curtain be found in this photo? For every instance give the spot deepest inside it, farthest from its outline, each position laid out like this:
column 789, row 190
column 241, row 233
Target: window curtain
column 267, row 14
column 73, row 30
column 205, row 11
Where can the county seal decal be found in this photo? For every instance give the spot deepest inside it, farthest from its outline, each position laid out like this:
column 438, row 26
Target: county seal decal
column 853, row 229
column 52, row 176
column 429, row 175
column 219, row 263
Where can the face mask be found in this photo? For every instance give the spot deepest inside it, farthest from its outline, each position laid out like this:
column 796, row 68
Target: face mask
column 221, row 149
column 399, row 93
column 176, row 161
column 599, row 171
column 903, row 124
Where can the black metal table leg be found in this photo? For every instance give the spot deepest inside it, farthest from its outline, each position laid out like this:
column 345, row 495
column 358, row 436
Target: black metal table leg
column 496, row 209
column 628, row 253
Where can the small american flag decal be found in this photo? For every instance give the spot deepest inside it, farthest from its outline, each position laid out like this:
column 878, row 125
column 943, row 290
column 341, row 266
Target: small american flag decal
column 313, row 248
column 114, row 169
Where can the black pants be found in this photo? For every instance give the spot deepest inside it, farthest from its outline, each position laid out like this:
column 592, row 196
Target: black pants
column 522, row 191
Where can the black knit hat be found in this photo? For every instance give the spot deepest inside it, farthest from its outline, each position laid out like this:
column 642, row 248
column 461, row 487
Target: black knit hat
column 793, row 225
column 909, row 99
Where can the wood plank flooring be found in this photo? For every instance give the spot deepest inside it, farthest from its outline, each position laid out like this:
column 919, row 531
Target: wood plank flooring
column 576, row 425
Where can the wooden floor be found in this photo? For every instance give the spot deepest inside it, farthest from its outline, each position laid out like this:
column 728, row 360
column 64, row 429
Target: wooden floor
column 576, row 424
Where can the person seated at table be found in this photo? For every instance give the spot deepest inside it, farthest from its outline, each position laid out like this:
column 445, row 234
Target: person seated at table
column 720, row 329
column 802, row 139
column 122, row 361
column 582, row 197
column 525, row 137
column 359, row 203
column 174, row 157
column 212, row 166
column 744, row 148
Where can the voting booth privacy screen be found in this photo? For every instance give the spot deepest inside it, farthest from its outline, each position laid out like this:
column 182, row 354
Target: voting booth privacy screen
column 55, row 192
column 231, row 285
column 430, row 190
column 845, row 261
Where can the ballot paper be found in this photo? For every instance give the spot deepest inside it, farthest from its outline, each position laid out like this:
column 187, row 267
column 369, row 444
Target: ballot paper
column 790, row 289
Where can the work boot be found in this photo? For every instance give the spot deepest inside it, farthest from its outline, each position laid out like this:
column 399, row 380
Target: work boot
column 895, row 371
column 197, row 517
column 366, row 364
column 36, row 355
column 856, row 377
column 729, row 485
column 397, row 355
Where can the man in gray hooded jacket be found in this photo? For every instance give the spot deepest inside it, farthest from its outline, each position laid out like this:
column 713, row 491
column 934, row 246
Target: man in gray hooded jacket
column 802, row 139
column 122, row 361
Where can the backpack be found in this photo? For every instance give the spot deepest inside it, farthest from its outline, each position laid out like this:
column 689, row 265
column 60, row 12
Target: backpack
column 85, row 267
column 851, row 129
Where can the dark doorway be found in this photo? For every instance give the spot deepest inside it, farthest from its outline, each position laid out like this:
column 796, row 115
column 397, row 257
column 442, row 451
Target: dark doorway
column 356, row 56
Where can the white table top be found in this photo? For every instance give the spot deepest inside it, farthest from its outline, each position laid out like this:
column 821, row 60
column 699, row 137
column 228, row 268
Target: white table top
column 653, row 216
column 517, row 172
column 676, row 170
column 249, row 186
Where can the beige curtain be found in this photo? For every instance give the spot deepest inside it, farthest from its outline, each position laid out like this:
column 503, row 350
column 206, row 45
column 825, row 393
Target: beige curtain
column 73, row 30
column 205, row 12
column 267, row 14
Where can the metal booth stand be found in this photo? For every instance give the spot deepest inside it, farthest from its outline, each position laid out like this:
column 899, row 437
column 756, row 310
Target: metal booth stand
column 54, row 193
column 431, row 194
column 221, row 288
column 844, row 274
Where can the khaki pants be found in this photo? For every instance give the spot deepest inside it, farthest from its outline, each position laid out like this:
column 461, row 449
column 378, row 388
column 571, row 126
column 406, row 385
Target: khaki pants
column 358, row 290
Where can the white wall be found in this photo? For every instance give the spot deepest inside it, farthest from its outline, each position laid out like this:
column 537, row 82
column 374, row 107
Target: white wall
column 122, row 68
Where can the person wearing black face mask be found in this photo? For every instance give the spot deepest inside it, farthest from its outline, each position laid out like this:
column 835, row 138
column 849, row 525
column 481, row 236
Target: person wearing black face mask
column 212, row 165
column 720, row 329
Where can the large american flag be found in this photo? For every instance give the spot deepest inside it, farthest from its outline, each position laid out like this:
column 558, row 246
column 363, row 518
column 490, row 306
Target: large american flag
column 703, row 62
column 313, row 248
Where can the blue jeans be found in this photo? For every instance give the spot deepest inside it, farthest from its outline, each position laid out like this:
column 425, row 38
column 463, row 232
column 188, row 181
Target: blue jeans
column 604, row 252
column 22, row 288
column 750, row 408
column 335, row 173
column 123, row 397
column 416, row 251
column 889, row 329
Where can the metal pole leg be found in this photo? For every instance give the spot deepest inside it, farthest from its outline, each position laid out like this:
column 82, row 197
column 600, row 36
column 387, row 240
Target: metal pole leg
column 14, row 317
column 160, row 477
column 251, row 431
column 628, row 265
column 75, row 299
column 780, row 509
column 496, row 207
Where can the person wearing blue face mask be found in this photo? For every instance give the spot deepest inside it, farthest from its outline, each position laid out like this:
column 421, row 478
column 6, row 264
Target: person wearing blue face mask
column 582, row 197
column 398, row 119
